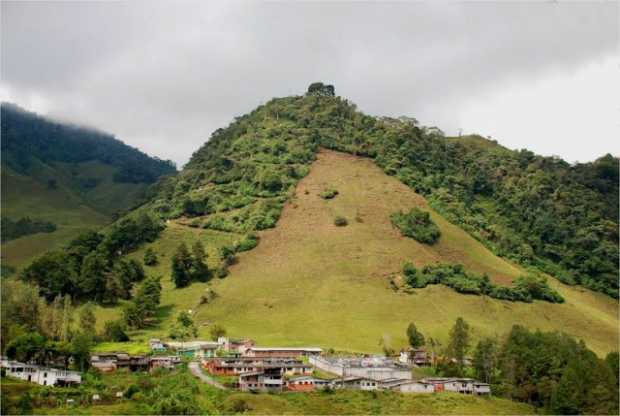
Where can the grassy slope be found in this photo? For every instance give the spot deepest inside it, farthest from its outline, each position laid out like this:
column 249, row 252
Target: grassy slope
column 23, row 196
column 73, row 213
column 310, row 282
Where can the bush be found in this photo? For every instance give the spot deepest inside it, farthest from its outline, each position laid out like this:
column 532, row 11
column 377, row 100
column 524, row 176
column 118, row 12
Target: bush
column 416, row 224
column 340, row 221
column 247, row 243
column 329, row 193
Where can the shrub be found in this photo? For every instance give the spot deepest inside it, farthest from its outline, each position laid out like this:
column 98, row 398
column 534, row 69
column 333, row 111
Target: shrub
column 247, row 243
column 328, row 193
column 340, row 221
column 115, row 331
column 416, row 224
column 525, row 288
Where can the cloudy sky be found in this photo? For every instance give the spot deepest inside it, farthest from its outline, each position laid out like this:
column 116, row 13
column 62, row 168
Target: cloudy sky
column 162, row 76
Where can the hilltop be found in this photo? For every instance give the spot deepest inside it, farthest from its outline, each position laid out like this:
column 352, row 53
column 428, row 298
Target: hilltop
column 501, row 212
column 73, row 177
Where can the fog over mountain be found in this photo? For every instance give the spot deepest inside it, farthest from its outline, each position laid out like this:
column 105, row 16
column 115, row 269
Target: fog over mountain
column 163, row 75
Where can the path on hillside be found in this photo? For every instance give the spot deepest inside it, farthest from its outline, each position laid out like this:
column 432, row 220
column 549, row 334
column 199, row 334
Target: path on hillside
column 194, row 367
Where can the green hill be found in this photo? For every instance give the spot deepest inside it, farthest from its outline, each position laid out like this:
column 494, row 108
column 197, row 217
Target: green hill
column 73, row 177
column 311, row 282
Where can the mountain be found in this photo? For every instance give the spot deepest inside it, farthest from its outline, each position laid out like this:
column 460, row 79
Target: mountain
column 64, row 179
column 282, row 175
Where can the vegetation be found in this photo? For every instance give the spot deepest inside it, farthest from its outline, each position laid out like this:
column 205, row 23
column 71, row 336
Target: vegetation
column 416, row 224
column 340, row 221
column 187, row 267
column 550, row 370
column 525, row 207
column 415, row 337
column 24, row 226
column 526, row 288
column 184, row 327
column 89, row 267
column 140, row 312
column 329, row 193
column 150, row 258
column 26, row 136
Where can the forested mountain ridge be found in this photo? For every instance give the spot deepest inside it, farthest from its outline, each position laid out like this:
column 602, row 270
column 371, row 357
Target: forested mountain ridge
column 538, row 211
column 26, row 135
column 65, row 179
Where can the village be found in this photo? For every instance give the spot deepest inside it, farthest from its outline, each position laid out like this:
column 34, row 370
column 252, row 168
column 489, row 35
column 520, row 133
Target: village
column 240, row 364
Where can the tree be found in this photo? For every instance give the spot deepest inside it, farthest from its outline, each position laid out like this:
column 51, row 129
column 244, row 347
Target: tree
column 321, row 90
column 415, row 337
column 150, row 258
column 612, row 359
column 115, row 331
column 217, row 331
column 184, row 327
column 143, row 307
column 485, row 359
column 87, row 319
column 459, row 342
column 27, row 347
column 181, row 266
column 200, row 270
column 565, row 399
column 53, row 274
column 67, row 320
column 94, row 275
column 81, row 345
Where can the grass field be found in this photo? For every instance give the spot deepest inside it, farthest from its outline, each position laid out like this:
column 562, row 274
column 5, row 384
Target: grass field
column 312, row 283
column 71, row 209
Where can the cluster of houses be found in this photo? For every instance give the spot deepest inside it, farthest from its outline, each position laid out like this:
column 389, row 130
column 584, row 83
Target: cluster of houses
column 293, row 369
column 266, row 369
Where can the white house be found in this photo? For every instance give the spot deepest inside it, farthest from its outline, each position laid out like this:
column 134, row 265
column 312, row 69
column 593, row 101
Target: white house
column 41, row 375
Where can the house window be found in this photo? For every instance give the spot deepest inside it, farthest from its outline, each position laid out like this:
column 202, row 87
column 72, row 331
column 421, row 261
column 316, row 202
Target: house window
column 44, row 375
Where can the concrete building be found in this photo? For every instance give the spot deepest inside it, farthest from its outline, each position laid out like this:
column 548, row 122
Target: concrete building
column 355, row 383
column 235, row 346
column 194, row 349
column 110, row 362
column 375, row 368
column 415, row 356
column 156, row 345
column 168, row 362
column 459, row 385
column 232, row 366
column 41, row 375
column 307, row 383
column 290, row 352
column 406, row 386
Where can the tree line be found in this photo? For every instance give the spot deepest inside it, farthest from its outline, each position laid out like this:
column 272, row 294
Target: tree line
column 550, row 370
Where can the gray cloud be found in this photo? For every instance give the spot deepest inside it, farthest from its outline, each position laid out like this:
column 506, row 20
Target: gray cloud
column 163, row 75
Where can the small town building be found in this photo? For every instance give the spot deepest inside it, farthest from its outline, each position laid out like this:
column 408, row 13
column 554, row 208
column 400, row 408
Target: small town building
column 268, row 380
column 459, row 385
column 375, row 368
column 407, row 386
column 355, row 383
column 41, row 375
column 281, row 352
column 307, row 383
column 194, row 349
column 235, row 346
column 168, row 362
column 415, row 356
column 231, row 366
column 110, row 362
column 156, row 345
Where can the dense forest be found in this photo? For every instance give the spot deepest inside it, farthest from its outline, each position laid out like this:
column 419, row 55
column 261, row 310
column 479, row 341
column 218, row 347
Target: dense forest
column 26, row 136
column 538, row 211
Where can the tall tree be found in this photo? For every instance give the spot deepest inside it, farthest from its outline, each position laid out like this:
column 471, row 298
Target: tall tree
column 181, row 266
column 200, row 270
column 415, row 337
column 88, row 320
column 485, row 359
column 67, row 320
column 459, row 342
